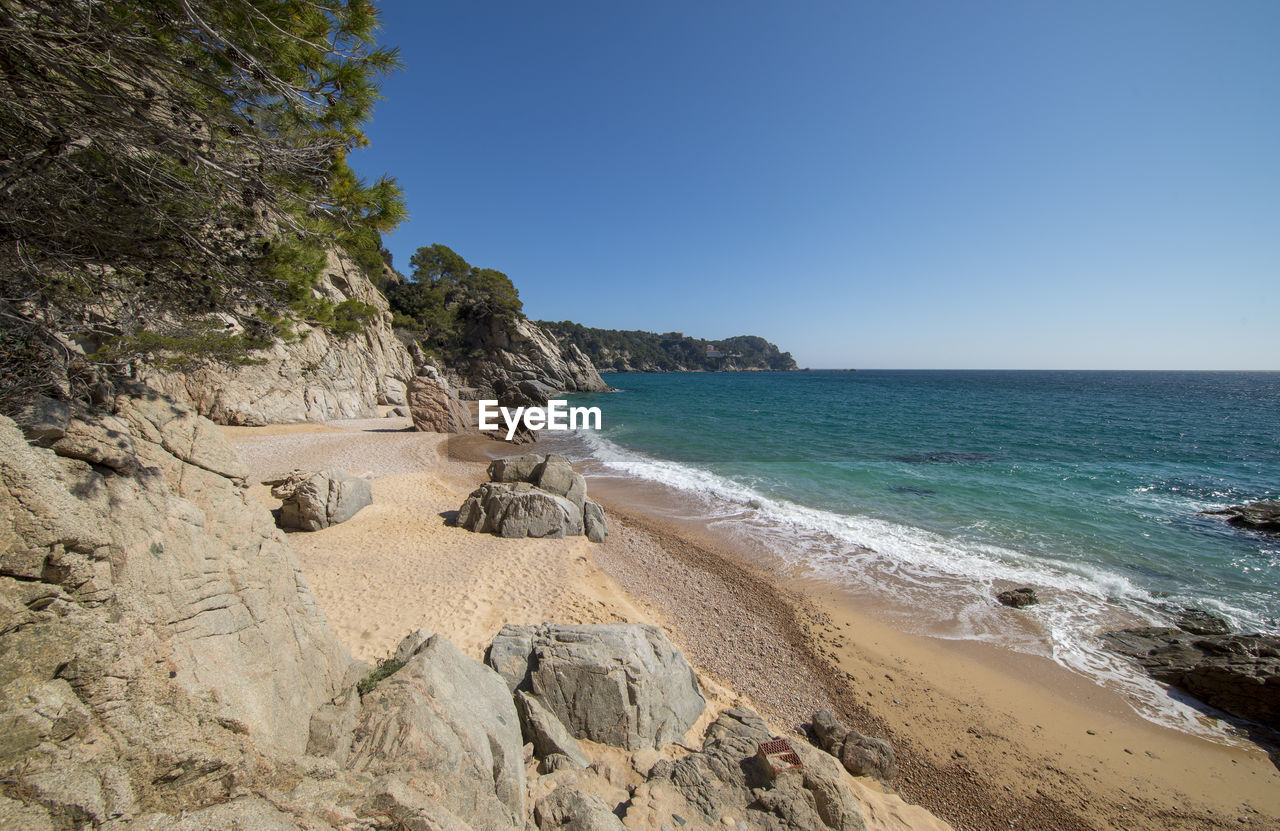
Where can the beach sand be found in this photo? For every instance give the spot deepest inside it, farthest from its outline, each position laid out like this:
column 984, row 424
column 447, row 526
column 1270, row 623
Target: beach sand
column 986, row 739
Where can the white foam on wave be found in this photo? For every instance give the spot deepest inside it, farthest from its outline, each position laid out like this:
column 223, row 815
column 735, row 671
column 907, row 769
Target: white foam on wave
column 945, row 585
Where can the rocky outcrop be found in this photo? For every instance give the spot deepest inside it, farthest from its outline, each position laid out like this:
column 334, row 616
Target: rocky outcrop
column 1200, row 622
column 1018, row 598
column 317, row 376
column 619, row 684
column 533, row 496
column 1256, row 516
column 1239, row 674
column 724, row 780
column 520, row 350
column 545, row 732
column 433, row 406
column 449, row 720
column 310, row 501
column 861, row 755
column 156, row 634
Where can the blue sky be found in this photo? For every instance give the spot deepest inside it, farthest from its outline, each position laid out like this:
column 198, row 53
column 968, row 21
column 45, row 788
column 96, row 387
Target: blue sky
column 867, row 184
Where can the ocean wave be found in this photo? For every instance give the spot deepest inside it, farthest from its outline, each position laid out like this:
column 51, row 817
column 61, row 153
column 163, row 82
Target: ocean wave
column 943, row 585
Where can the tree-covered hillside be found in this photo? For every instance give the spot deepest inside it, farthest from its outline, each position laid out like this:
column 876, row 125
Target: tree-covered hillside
column 635, row 351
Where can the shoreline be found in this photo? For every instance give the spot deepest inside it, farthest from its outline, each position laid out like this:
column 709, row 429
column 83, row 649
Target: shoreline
column 991, row 735
column 984, row 739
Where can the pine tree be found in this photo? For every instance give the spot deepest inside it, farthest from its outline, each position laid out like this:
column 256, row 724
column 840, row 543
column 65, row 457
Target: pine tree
column 165, row 160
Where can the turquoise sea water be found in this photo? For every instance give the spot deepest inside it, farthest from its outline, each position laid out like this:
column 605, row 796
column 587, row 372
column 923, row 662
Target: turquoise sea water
column 937, row 488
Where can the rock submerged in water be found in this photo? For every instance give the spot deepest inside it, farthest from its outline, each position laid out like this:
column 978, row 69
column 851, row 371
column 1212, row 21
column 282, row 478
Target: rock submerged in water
column 311, row 501
column 1200, row 622
column 533, row 496
column 1261, row 516
column 1018, row 598
column 1238, row 674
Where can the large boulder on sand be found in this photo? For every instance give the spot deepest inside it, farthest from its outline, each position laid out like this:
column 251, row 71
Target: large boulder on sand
column 433, row 407
column 622, row 684
column 519, row 510
column 533, row 496
column 450, row 719
column 310, row 501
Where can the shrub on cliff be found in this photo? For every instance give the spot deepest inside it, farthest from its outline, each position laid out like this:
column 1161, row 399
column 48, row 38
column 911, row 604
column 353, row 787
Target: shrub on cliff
column 166, row 160
column 445, row 297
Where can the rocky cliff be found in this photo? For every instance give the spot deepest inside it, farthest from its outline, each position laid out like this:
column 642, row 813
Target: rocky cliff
column 321, row 375
column 521, row 350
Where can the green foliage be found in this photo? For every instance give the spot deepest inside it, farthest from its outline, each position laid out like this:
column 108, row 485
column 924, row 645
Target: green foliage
column 446, row 295
column 352, row 316
column 649, row 351
column 170, row 159
column 385, row 669
column 186, row 349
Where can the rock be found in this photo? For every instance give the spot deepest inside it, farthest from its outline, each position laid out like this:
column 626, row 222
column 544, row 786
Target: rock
column 312, row 501
column 1018, row 598
column 512, row 351
column 515, row 468
column 451, row 719
column 556, row 761
column 43, row 420
column 861, row 755
column 508, row 655
column 519, row 510
column 569, row 809
column 168, row 641
column 593, row 521
column 319, row 376
column 1256, row 516
column 556, row 475
column 643, row 760
column 1200, row 622
column 411, row 644
column 433, row 407
column 533, row 496
column 545, row 732
column 1239, row 674
column 723, row 780
column 410, row 808
column 620, row 684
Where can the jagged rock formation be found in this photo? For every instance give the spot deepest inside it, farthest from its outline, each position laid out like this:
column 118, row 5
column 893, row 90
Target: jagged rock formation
column 618, row 684
column 533, row 496
column 1256, row 516
column 157, row 638
column 433, row 406
column 311, row 501
column 1239, row 674
column 520, row 350
column 323, row 375
column 861, row 755
column 725, row 780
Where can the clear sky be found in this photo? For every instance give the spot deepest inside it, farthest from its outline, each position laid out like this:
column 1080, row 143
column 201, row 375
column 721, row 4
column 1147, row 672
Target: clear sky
column 869, row 184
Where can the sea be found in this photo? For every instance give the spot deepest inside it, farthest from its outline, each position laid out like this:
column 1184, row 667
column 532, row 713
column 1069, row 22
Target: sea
column 926, row 492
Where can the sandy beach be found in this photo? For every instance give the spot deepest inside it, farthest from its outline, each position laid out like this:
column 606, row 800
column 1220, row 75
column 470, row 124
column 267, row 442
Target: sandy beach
column 985, row 738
